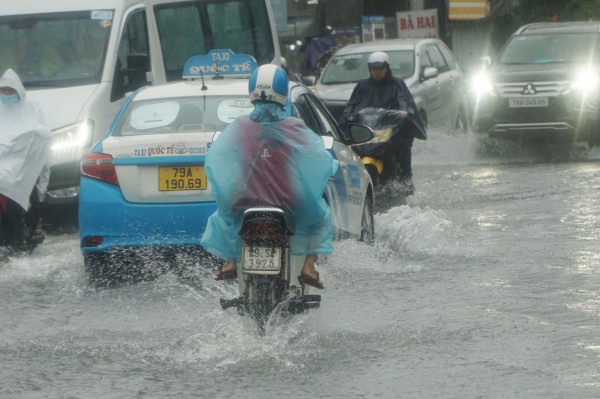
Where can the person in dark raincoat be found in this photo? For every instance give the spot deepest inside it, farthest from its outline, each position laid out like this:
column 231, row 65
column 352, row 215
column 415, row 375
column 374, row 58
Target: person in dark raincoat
column 269, row 159
column 383, row 90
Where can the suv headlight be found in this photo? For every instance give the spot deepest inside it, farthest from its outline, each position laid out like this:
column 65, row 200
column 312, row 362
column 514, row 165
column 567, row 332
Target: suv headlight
column 586, row 81
column 481, row 85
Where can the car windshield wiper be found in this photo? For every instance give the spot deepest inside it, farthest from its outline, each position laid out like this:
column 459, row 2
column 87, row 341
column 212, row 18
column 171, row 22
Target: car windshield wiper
column 41, row 83
column 549, row 61
column 336, row 82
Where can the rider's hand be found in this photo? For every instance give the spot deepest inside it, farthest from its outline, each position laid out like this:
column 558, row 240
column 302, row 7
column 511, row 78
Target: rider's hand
column 401, row 113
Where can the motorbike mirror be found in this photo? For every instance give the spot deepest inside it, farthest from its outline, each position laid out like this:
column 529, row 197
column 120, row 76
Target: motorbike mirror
column 309, row 80
column 360, row 133
column 327, row 142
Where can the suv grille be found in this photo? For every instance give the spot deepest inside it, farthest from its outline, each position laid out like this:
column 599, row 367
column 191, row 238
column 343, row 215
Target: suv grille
column 514, row 89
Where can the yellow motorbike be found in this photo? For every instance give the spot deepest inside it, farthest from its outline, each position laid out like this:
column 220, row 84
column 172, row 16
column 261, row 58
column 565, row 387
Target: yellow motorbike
column 381, row 154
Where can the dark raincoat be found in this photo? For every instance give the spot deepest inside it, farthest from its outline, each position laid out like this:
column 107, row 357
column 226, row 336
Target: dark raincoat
column 389, row 93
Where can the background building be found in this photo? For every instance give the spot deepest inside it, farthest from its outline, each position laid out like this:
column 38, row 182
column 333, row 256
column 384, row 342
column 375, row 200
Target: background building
column 471, row 28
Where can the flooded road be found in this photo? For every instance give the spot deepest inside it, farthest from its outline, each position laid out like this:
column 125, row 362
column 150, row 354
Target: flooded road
column 486, row 285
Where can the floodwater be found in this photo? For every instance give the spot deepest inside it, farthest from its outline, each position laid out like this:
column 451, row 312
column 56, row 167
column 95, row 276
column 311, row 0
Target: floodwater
column 485, row 285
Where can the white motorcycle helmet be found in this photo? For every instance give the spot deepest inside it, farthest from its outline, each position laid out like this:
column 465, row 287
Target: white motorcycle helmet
column 269, row 83
column 378, row 59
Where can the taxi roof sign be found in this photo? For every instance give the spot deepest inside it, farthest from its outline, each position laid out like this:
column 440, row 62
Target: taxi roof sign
column 219, row 63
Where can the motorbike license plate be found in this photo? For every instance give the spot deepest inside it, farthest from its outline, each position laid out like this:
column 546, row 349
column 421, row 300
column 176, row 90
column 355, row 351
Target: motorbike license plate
column 528, row 102
column 265, row 260
column 181, row 178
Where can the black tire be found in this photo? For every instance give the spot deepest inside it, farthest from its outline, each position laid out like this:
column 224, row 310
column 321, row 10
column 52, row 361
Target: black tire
column 261, row 292
column 367, row 225
column 462, row 122
column 374, row 173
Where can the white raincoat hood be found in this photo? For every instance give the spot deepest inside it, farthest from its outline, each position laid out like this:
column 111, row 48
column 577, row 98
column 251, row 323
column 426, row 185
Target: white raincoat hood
column 24, row 143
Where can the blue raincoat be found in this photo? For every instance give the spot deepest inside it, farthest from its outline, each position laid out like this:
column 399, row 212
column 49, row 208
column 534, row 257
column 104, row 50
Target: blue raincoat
column 268, row 159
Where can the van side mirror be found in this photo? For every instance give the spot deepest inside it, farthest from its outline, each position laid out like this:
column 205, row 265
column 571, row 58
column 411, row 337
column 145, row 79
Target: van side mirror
column 137, row 66
column 327, row 142
column 130, row 77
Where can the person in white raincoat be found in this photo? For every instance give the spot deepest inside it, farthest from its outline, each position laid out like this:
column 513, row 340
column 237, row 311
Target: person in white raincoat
column 24, row 151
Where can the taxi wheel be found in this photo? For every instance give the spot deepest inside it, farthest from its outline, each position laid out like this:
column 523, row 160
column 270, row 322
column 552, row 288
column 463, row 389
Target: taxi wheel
column 367, row 225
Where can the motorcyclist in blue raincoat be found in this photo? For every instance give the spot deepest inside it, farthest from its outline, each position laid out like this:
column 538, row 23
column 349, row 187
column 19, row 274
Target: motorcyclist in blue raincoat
column 269, row 159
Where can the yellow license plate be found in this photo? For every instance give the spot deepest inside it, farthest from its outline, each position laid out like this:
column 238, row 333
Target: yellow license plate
column 181, row 178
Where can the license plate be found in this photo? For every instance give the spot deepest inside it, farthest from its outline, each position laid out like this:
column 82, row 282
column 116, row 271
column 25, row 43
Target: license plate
column 181, row 178
column 262, row 260
column 528, row 102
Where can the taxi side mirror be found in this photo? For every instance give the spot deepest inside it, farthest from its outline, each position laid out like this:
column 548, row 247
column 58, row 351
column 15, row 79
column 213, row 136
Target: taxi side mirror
column 327, row 142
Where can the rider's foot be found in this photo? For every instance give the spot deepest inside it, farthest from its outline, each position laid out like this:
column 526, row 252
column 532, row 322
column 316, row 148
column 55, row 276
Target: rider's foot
column 227, row 271
column 309, row 275
column 37, row 237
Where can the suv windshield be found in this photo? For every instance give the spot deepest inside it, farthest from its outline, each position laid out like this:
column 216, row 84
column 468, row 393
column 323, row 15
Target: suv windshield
column 552, row 48
column 350, row 68
column 55, row 49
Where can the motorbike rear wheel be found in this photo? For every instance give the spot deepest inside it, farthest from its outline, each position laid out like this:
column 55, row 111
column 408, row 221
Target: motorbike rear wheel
column 261, row 299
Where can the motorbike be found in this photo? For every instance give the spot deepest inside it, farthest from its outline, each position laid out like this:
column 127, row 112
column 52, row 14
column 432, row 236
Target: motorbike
column 381, row 154
column 268, row 282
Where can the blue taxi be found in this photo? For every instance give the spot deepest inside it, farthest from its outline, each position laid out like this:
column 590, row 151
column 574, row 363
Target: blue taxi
column 143, row 186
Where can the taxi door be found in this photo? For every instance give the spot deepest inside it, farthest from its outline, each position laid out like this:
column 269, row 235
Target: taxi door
column 345, row 191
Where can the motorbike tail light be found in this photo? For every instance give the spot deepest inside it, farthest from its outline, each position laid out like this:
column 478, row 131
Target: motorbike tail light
column 99, row 167
column 264, row 232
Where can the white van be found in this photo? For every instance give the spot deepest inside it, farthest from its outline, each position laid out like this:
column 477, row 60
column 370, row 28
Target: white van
column 79, row 59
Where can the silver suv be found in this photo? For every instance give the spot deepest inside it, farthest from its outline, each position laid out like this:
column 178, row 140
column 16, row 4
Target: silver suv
column 543, row 85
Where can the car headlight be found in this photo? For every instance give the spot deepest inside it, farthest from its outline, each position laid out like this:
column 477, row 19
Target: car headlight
column 481, row 84
column 73, row 137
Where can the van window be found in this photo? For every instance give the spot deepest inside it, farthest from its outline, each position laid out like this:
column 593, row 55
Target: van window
column 133, row 56
column 55, row 49
column 192, row 28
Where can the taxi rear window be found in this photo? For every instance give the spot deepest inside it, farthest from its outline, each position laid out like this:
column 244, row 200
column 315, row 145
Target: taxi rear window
column 177, row 115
